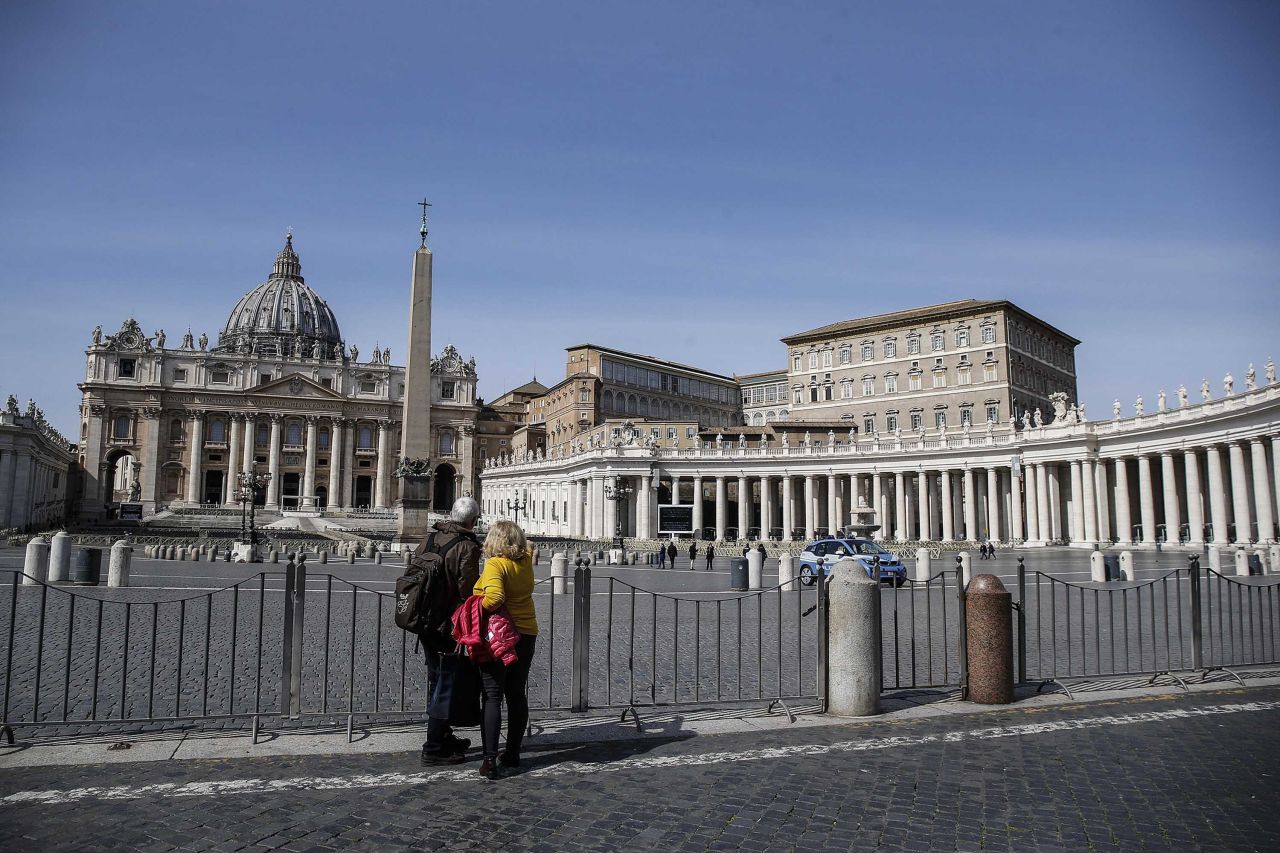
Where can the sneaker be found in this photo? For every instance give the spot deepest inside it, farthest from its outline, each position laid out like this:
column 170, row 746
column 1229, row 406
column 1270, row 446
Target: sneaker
column 491, row 769
column 438, row 759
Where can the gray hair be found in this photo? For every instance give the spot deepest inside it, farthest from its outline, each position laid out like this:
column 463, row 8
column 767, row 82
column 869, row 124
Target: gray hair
column 465, row 511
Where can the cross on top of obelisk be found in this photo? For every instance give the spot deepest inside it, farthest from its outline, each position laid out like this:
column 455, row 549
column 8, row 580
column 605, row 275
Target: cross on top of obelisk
column 424, row 204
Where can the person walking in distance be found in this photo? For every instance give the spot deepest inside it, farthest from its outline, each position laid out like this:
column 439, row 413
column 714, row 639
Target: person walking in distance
column 662, row 556
column 693, row 555
column 671, row 553
column 456, row 542
column 711, row 555
column 507, row 581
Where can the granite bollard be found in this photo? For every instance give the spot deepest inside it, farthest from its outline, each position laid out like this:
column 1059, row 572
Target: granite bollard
column 1097, row 567
column 36, row 564
column 182, row 554
column 755, row 569
column 1242, row 562
column 1126, row 565
column 964, row 564
column 59, row 556
column 121, row 561
column 275, row 556
column 786, row 570
column 989, row 626
column 377, row 558
column 854, row 649
column 559, row 573
column 324, row 556
column 924, row 566
column 351, row 558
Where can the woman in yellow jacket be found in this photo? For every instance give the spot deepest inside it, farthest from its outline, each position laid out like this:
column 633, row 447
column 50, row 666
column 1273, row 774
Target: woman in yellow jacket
column 507, row 580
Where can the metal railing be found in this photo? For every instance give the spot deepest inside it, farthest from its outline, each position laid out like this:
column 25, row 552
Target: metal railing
column 922, row 626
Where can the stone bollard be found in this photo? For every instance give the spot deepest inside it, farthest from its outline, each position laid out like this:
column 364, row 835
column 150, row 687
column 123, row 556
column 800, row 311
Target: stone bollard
column 275, row 556
column 121, row 560
column 989, row 627
column 963, row 563
column 407, row 555
column 559, row 573
column 351, row 559
column 1215, row 559
column 1126, row 565
column 182, row 554
column 755, row 569
column 36, row 566
column 1242, row 562
column 924, row 564
column 634, row 555
column 786, row 570
column 1098, row 567
column 324, row 556
column 377, row 558
column 197, row 555
column 59, row 556
column 1273, row 559
column 854, row 647
column 537, row 555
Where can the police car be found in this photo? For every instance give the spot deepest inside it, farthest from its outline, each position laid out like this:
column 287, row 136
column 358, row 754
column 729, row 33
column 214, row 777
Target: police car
column 863, row 550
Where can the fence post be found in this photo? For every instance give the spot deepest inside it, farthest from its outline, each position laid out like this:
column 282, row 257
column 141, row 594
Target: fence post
column 1022, row 621
column 581, row 636
column 824, row 642
column 295, row 594
column 1197, row 637
column 964, row 632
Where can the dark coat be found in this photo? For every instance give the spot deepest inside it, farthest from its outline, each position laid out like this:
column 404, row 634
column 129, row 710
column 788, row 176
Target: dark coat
column 671, row 551
column 462, row 562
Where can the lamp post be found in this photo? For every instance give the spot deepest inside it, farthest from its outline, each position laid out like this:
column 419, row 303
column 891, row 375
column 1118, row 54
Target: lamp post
column 517, row 506
column 247, row 483
column 617, row 493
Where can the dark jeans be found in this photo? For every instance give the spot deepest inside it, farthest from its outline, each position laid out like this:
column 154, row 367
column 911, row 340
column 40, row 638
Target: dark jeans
column 439, row 731
column 511, row 683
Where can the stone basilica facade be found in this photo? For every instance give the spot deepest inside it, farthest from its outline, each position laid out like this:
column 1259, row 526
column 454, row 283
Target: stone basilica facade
column 280, row 391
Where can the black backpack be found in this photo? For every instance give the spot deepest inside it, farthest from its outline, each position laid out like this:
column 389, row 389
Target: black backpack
column 425, row 597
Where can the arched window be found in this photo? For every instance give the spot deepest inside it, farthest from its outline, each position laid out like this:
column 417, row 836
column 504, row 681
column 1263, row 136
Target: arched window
column 364, row 438
column 757, row 419
column 446, row 443
column 644, row 407
column 666, row 409
column 606, row 402
column 121, row 427
column 293, row 435
column 770, row 417
column 218, row 430
column 631, row 404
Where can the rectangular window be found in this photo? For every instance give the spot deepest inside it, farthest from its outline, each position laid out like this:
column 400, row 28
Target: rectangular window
column 690, row 432
column 826, row 358
column 813, row 394
column 891, row 423
column 584, row 396
column 988, row 334
column 868, row 352
column 940, row 420
column 940, row 379
column 447, row 388
column 913, row 345
column 891, row 385
column 846, row 390
column 966, row 417
column 671, row 433
column 328, row 382
column 826, row 392
column 936, row 341
column 796, row 397
column 219, row 377
column 795, row 364
column 127, row 368
column 964, row 376
column 917, row 420
column 179, row 375
column 846, row 355
column 989, row 373
column 368, row 387
column 264, row 378
column 868, row 387
column 962, row 338
column 890, row 349
column 913, row 382
column 993, row 412
column 813, row 361
column 869, row 425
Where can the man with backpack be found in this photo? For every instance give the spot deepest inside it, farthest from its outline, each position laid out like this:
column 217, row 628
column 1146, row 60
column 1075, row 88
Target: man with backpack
column 459, row 553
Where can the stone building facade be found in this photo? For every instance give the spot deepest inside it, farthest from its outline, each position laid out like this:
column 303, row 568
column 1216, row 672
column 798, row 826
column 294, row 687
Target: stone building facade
column 766, row 397
column 281, row 390
column 36, row 469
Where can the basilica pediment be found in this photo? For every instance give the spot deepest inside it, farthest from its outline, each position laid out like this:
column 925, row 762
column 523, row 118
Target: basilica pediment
column 294, row 385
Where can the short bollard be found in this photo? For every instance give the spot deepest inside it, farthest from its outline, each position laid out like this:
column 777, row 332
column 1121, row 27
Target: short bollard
column 559, row 573
column 755, row 569
column 854, row 647
column 351, row 558
column 1126, row 565
column 1098, row 567
column 924, row 567
column 377, row 558
column 121, row 560
column 1273, row 559
column 324, row 556
column 59, row 556
column 182, row 554
column 275, row 556
column 738, row 574
column 36, row 565
column 989, row 626
column 87, row 568
column 786, row 570
column 963, row 563
column 1242, row 562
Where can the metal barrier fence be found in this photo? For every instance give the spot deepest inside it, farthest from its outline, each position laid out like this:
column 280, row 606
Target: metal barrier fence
column 1185, row 620
column 922, row 627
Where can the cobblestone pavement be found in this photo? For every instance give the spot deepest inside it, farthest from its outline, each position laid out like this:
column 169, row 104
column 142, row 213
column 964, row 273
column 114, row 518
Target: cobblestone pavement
column 1181, row 772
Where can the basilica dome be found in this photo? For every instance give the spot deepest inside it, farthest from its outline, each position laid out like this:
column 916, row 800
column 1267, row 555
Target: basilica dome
column 282, row 316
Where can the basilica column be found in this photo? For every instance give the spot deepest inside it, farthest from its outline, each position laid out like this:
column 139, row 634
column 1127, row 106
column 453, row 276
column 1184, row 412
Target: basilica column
column 675, row 490
column 1043, row 524
column 273, row 464
column 195, row 457
column 788, row 508
column 810, row 507
column 1146, row 500
column 1262, row 491
column 349, row 467
column 1016, row 528
column 1240, row 493
column 1077, row 502
column 336, row 430
column 611, row 514
column 1089, row 481
column 596, row 502
column 642, row 508
column 993, row 504
column 381, row 491
column 833, row 501
column 925, row 532
column 1275, row 469
column 948, row 506
column 1172, row 512
column 309, row 471
column 744, row 507
column 722, row 509
column 1124, row 518
column 766, row 508
column 234, row 450
column 970, row 507
column 1054, row 494
column 899, row 506
column 878, row 504
column 1033, row 504
column 1195, row 500
column 1101, row 490
column 1218, row 516
column 697, row 506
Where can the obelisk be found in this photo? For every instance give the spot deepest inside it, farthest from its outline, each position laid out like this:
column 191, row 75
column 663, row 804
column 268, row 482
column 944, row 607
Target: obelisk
column 415, row 432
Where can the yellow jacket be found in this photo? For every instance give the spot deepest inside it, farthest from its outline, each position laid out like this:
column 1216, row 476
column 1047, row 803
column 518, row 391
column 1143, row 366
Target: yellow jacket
column 506, row 581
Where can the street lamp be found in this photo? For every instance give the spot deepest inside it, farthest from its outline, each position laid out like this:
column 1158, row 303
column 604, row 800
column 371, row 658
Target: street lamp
column 247, row 483
column 517, row 506
column 618, row 493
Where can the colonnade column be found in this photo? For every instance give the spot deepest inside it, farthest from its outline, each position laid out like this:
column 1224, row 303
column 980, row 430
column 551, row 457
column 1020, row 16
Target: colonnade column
column 234, row 452
column 642, row 508
column 948, row 507
column 1195, row 499
column 1089, row 482
column 924, row 528
column 1262, row 491
column 1101, row 499
column 1172, row 512
column 970, row 507
column 1146, row 501
column 309, row 472
column 1033, row 504
column 993, row 505
column 273, row 464
column 1016, row 530
column 697, row 506
column 810, row 507
column 1077, row 503
column 877, row 504
column 744, row 507
column 1124, row 519
column 766, row 507
column 722, row 509
column 899, row 506
column 788, row 517
column 1240, row 493
column 195, row 457
column 1043, row 526
column 575, row 508
column 833, row 514
column 336, row 430
column 675, row 490
column 1217, row 496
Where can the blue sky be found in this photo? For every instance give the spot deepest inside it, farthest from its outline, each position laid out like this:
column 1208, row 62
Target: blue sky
column 691, row 180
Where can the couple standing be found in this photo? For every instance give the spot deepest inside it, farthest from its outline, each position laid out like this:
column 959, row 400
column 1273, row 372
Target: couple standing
column 506, row 581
